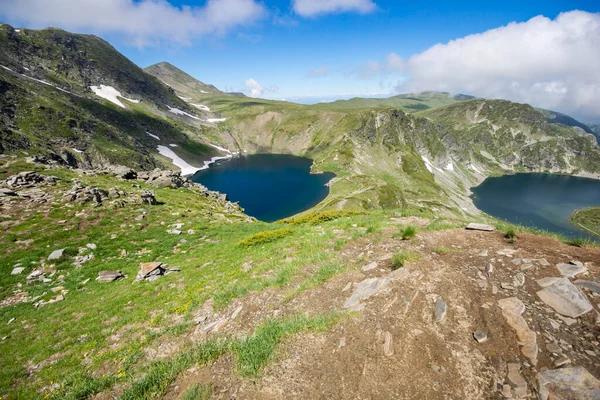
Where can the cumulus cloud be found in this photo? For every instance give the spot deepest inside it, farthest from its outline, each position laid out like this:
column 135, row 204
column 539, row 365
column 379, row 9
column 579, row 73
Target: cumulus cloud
column 309, row 8
column 256, row 89
column 548, row 63
column 144, row 22
column 318, row 72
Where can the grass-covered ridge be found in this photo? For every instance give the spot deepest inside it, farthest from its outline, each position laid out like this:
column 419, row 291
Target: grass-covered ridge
column 587, row 219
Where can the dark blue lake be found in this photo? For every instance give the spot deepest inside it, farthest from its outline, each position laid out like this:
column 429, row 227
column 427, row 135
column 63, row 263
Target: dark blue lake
column 543, row 201
column 268, row 186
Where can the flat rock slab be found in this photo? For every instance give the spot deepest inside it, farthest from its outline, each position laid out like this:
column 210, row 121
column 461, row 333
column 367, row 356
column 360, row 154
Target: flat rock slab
column 480, row 227
column 369, row 266
column 440, row 310
column 506, row 252
column 17, row 270
column 565, row 298
column 589, row 285
column 56, row 255
column 109, row 276
column 572, row 383
column 512, row 308
column 571, row 270
column 363, row 291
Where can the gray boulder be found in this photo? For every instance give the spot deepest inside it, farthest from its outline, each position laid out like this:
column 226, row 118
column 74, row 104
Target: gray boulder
column 480, row 227
column 565, row 298
column 572, row 383
column 109, row 276
column 56, row 255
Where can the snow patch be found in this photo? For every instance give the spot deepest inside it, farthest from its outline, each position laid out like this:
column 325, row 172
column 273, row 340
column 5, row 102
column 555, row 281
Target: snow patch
column 76, row 150
column 172, row 145
column 474, row 168
column 201, row 107
column 111, row 94
column 202, row 91
column 177, row 111
column 151, row 135
column 429, row 165
column 183, row 98
column 186, row 169
column 17, row 30
column 215, row 120
column 219, row 148
column 450, row 166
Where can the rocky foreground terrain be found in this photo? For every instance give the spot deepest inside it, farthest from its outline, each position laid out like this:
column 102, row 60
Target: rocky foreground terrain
column 118, row 284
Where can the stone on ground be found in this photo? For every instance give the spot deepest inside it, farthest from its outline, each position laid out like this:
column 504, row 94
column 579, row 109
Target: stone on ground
column 573, row 383
column 480, row 227
column 363, row 291
column 150, row 271
column 369, row 266
column 480, row 336
column 56, row 255
column 109, row 276
column 17, row 270
column 512, row 308
column 589, row 285
column 440, row 310
column 516, row 379
column 570, row 270
column 565, row 298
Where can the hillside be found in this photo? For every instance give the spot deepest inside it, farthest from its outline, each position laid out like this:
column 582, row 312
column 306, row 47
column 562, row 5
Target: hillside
column 179, row 80
column 409, row 102
column 119, row 278
column 50, row 108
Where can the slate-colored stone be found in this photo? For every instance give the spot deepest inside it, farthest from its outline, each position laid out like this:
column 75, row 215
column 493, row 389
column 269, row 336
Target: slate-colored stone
column 565, row 298
column 480, row 227
column 573, row 383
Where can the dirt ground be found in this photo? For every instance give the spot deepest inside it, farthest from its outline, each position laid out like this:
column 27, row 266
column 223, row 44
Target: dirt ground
column 394, row 348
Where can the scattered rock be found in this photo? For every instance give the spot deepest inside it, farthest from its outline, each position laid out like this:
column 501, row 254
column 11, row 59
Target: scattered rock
column 517, row 381
column 17, row 270
column 489, row 269
column 480, row 336
column 480, row 227
column 7, row 192
column 56, row 255
column 388, row 343
column 150, row 271
column 369, row 266
column 572, row 269
column 440, row 310
column 91, row 246
column 35, row 275
column 573, row 383
column 553, row 348
column 589, row 285
column 512, row 308
column 519, row 279
column 545, row 282
column 565, row 298
column 247, row 266
column 562, row 360
column 506, row 252
column 109, row 276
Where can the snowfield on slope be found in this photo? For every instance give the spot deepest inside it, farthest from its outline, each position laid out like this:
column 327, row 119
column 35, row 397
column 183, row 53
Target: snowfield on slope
column 111, row 94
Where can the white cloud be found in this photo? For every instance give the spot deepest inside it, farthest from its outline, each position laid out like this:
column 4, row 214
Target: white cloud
column 318, row 72
column 548, row 63
column 256, row 89
column 143, row 22
column 309, row 8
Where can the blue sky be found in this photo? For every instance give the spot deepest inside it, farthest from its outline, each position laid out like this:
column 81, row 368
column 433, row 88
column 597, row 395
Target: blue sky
column 310, row 50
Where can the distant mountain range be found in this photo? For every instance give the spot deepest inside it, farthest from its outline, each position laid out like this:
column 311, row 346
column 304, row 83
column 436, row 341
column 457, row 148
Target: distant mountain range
column 78, row 101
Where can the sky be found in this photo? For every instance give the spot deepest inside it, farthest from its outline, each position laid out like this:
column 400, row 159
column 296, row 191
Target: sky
column 545, row 53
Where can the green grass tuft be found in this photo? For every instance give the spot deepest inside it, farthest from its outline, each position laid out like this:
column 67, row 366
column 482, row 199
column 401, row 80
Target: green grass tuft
column 265, row 237
column 198, row 392
column 401, row 257
column 319, row 217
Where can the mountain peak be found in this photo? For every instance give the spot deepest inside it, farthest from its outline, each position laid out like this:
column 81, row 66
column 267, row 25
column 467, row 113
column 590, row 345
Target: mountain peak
column 179, row 80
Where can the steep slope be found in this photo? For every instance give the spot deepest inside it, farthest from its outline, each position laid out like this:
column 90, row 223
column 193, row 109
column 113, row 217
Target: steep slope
column 179, row 80
column 77, row 100
column 595, row 128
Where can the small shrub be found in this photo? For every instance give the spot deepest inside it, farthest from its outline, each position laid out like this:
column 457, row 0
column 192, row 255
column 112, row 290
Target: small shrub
column 409, row 232
column 265, row 237
column 442, row 250
column 510, row 235
column 401, row 257
column 319, row 217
